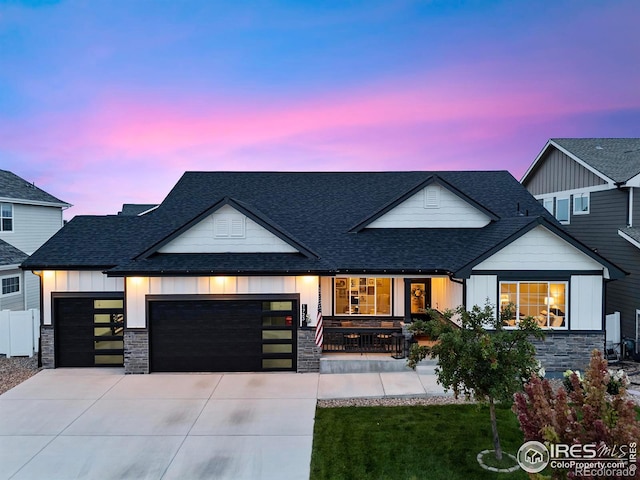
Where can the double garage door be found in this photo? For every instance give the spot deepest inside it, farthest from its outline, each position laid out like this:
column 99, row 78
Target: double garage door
column 186, row 333
column 235, row 334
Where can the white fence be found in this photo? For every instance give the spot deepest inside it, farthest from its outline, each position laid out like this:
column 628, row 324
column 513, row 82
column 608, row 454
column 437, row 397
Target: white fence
column 19, row 332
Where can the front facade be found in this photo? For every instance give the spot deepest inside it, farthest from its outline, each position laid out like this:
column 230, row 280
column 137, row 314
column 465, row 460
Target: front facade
column 227, row 274
column 29, row 216
column 592, row 186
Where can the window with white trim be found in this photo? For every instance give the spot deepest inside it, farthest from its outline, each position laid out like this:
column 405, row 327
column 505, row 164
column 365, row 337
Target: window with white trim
column 548, row 204
column 6, row 217
column 546, row 302
column 362, row 296
column 581, row 203
column 11, row 285
column 229, row 226
column 562, row 210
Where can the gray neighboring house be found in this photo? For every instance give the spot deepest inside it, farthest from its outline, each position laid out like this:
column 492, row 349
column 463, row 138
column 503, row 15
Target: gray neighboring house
column 592, row 186
column 29, row 216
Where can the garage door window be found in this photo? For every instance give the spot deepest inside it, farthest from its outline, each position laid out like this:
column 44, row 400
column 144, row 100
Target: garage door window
column 278, row 321
column 108, row 331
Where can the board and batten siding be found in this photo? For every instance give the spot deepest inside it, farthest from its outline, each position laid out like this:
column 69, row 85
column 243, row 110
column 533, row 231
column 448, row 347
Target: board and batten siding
column 201, row 239
column 452, row 212
column 139, row 287
column 480, row 290
column 558, row 172
column 538, row 249
column 84, row 281
column 585, row 307
column 445, row 294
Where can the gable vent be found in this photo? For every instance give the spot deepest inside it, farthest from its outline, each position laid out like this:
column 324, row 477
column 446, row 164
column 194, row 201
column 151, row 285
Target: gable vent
column 229, row 226
column 237, row 227
column 432, row 196
column 221, row 227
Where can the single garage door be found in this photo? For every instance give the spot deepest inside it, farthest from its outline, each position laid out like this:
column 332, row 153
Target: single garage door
column 235, row 334
column 89, row 331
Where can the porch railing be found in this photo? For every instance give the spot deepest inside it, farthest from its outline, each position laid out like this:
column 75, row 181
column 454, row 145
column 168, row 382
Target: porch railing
column 364, row 340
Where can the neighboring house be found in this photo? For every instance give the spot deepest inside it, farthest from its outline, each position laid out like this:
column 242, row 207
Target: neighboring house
column 592, row 186
column 29, row 216
column 219, row 276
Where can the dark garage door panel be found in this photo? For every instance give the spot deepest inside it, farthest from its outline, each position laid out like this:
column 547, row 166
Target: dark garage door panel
column 205, row 336
column 74, row 332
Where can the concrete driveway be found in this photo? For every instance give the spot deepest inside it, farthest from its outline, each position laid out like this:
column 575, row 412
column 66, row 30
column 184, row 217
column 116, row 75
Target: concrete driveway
column 101, row 424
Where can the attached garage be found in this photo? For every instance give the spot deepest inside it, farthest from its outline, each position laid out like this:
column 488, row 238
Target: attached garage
column 89, row 330
column 216, row 333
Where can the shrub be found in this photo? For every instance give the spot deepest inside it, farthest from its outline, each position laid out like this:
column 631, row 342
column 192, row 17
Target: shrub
column 583, row 413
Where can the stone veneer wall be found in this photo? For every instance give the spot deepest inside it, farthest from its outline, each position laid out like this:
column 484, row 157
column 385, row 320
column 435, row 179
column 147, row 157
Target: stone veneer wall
column 47, row 346
column 570, row 350
column 136, row 351
column 308, row 352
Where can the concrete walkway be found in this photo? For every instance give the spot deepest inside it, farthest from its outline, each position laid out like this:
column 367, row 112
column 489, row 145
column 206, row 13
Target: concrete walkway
column 101, row 424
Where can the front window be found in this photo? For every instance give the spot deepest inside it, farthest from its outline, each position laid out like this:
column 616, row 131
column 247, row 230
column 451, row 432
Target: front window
column 562, row 210
column 362, row 296
column 6, row 217
column 11, row 285
column 546, row 302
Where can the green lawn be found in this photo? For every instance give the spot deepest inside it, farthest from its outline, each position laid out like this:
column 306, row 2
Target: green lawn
column 421, row 442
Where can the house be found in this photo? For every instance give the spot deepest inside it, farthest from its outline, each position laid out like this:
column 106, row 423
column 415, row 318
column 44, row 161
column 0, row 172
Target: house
column 29, row 216
column 223, row 273
column 592, row 186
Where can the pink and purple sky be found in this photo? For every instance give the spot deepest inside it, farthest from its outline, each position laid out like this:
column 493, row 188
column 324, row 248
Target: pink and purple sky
column 104, row 103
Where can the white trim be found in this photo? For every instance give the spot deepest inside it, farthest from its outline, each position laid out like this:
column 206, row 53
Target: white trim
column 582, row 212
column 633, row 242
column 15, row 266
column 549, row 143
column 630, row 213
column 568, row 199
column 573, row 191
column 633, row 181
column 38, row 203
column 548, row 282
column 12, row 217
column 11, row 294
column 148, row 211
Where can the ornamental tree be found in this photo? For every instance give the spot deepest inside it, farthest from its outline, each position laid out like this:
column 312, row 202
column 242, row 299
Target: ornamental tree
column 482, row 359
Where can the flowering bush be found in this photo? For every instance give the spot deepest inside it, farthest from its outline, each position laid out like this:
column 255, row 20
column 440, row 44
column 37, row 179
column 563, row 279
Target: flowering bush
column 568, row 379
column 616, row 381
column 584, row 415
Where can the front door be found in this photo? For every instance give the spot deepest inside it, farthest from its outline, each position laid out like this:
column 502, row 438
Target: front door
column 417, row 298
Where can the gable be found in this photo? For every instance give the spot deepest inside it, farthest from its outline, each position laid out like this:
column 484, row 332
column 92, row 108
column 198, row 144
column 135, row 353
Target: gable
column 432, row 207
column 227, row 231
column 539, row 249
column 556, row 170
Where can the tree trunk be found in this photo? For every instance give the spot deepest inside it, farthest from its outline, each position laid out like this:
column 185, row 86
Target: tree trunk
column 494, row 429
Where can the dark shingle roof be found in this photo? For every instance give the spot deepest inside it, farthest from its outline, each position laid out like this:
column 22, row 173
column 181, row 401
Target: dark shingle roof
column 318, row 209
column 10, row 255
column 16, row 188
column 617, row 158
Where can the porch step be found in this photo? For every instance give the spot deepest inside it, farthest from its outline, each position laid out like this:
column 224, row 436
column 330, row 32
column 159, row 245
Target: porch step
column 367, row 363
